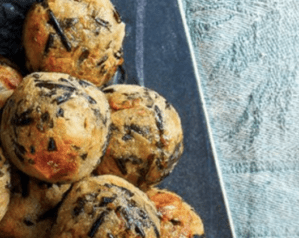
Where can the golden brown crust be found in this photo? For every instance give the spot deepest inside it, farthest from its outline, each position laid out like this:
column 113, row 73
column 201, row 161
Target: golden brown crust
column 106, row 206
column 55, row 127
column 10, row 78
column 146, row 139
column 88, row 46
column 178, row 218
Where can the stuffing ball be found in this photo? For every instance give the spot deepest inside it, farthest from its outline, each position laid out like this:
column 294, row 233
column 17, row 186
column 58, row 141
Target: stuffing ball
column 32, row 208
column 55, row 127
column 178, row 218
column 82, row 38
column 146, row 136
column 106, row 207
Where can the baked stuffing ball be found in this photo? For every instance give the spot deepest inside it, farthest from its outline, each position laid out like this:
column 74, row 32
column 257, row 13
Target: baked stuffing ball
column 32, row 208
column 146, row 136
column 55, row 127
column 4, row 184
column 82, row 38
column 106, row 207
column 178, row 218
column 10, row 78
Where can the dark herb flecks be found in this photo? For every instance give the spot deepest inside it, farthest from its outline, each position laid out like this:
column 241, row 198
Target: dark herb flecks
column 116, row 16
column 106, row 200
column 105, row 146
column 21, row 149
column 78, row 210
column 84, row 156
column 69, row 22
column 103, row 69
column 167, row 105
column 53, row 21
column 64, row 80
column 142, row 131
column 50, row 43
column 52, row 144
column 90, row 99
column 156, row 231
column 142, row 214
column 139, row 230
column 149, row 101
column 84, row 83
column 97, row 224
column 51, row 123
column 159, row 119
column 23, row 119
column 84, row 55
column 159, row 145
column 51, row 86
column 121, row 164
column 175, row 155
column 19, row 156
column 63, row 98
column 175, row 222
column 36, row 76
column 102, row 22
column 47, row 94
column 45, row 117
column 28, row 222
column 24, row 180
column 76, row 147
column 109, row 90
column 60, row 112
column 102, row 60
column 99, row 116
column 32, row 149
column 127, row 137
column 159, row 164
column 123, row 75
column 81, row 201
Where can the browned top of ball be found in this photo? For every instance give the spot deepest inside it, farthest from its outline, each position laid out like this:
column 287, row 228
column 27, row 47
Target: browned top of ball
column 55, row 127
column 81, row 38
column 146, row 137
column 178, row 218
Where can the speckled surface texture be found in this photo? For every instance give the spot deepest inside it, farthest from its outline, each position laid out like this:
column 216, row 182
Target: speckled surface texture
column 156, row 53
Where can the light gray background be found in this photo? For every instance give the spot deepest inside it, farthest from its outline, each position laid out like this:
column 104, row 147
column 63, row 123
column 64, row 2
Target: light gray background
column 247, row 58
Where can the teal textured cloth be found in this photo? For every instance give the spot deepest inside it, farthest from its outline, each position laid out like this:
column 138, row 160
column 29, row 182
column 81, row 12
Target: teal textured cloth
column 246, row 55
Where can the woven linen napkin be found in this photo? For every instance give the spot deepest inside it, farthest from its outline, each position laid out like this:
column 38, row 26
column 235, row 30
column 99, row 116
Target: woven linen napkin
column 246, row 57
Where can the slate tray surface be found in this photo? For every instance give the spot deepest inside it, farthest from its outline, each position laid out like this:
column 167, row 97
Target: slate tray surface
column 156, row 56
